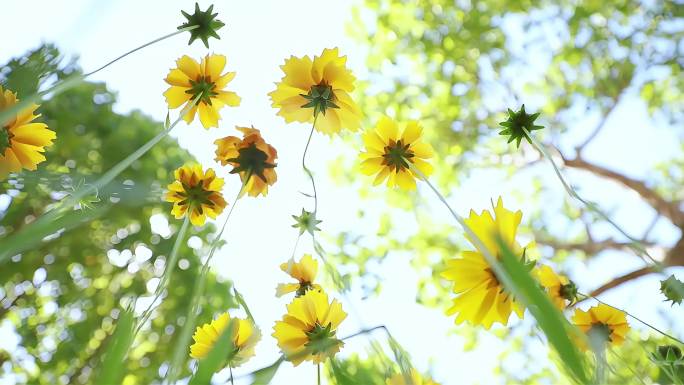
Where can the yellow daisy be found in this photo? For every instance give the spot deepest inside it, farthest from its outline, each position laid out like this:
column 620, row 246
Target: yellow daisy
column 415, row 379
column 251, row 157
column 303, row 271
column 22, row 142
column 390, row 153
column 307, row 331
column 203, row 81
column 481, row 298
column 197, row 192
column 245, row 337
column 319, row 86
column 560, row 289
column 602, row 324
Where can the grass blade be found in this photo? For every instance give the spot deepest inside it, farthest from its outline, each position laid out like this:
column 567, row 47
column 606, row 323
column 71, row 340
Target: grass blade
column 264, row 376
column 111, row 366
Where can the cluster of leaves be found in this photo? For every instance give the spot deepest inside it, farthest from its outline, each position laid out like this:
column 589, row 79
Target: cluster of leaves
column 65, row 295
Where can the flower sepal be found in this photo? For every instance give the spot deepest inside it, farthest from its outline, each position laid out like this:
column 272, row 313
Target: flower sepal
column 205, row 25
column 518, row 124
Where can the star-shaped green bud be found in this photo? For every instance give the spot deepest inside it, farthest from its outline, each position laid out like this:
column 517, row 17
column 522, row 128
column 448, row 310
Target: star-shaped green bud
column 86, row 202
column 320, row 98
column 569, row 292
column 517, row 123
column 251, row 160
column 306, row 222
column 321, row 339
column 673, row 289
column 205, row 24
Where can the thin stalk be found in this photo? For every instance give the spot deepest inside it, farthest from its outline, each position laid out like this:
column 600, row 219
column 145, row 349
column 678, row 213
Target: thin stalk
column 12, row 246
column 170, row 265
column 318, row 369
column 230, row 370
column 313, row 183
column 635, row 245
column 627, row 365
column 601, row 375
column 198, row 292
column 74, row 80
column 636, row 318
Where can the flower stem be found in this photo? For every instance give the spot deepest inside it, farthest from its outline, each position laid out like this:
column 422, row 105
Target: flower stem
column 636, row 245
column 197, row 294
column 601, row 363
column 170, row 265
column 75, row 80
column 313, row 183
column 635, row 318
column 230, row 370
column 318, row 369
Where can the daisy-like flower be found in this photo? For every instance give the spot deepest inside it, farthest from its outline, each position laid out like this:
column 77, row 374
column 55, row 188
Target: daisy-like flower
column 22, row 141
column 560, row 289
column 202, row 83
column 304, row 272
column 196, row 193
column 415, row 379
column 390, row 153
column 318, row 89
column 481, row 298
column 251, row 157
column 245, row 337
column 307, row 331
column 602, row 324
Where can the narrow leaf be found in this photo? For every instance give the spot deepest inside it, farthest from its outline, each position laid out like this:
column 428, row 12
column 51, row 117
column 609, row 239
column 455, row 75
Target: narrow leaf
column 265, row 375
column 112, row 364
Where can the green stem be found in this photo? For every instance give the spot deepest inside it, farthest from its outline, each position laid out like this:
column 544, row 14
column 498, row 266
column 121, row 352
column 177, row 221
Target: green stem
column 168, row 271
column 318, row 369
column 198, row 292
column 230, row 370
column 635, row 318
column 635, row 244
column 601, row 375
column 313, row 183
column 13, row 244
column 628, row 366
column 74, row 80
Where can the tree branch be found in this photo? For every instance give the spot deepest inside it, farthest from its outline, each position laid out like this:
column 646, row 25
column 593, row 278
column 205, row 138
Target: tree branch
column 622, row 279
column 590, row 247
column 666, row 208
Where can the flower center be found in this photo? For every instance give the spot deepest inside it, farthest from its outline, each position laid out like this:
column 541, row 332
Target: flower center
column 196, row 196
column 599, row 335
column 397, row 155
column 252, row 160
column 568, row 292
column 5, row 136
column 202, row 89
column 320, row 97
column 321, row 338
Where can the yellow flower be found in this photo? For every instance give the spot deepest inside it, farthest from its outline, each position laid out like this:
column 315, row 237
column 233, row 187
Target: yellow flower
column 559, row 288
column 303, row 271
column 481, row 298
column 391, row 153
column 245, row 337
column 198, row 192
column 22, row 142
column 602, row 324
column 307, row 331
column 415, row 379
column 202, row 82
column 251, row 157
column 319, row 86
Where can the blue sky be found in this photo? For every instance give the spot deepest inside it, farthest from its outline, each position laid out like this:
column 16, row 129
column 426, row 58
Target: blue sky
column 258, row 37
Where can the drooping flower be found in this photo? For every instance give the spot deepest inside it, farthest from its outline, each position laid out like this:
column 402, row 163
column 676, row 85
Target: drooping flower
column 22, row 141
column 304, row 272
column 203, row 84
column 205, row 24
column 318, row 89
column 560, row 289
column 196, row 192
column 481, row 298
column 308, row 330
column 517, row 123
column 391, row 153
column 415, row 378
column 245, row 337
column 251, row 157
column 602, row 324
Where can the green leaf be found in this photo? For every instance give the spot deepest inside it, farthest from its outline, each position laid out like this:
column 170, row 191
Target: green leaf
column 264, row 376
column 112, row 363
column 241, row 301
column 549, row 318
column 217, row 356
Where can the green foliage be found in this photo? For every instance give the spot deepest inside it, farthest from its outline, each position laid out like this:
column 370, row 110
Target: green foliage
column 115, row 353
column 64, row 294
